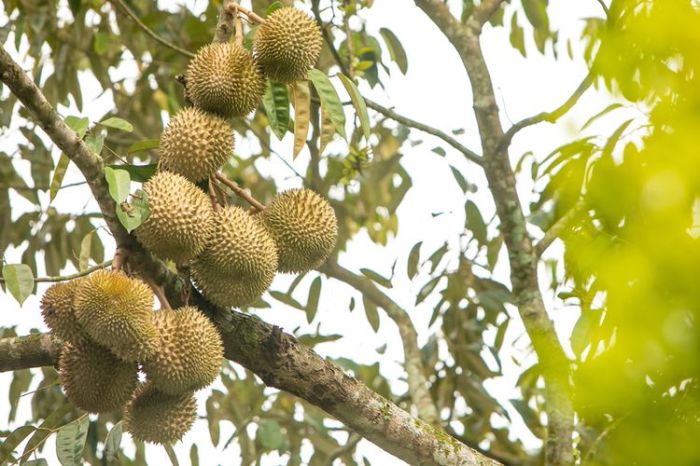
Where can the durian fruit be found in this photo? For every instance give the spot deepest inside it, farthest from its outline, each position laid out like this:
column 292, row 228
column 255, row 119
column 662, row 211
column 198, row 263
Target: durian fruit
column 156, row 417
column 239, row 247
column 195, row 144
column 225, row 291
column 239, row 262
column 116, row 312
column 304, row 228
column 57, row 309
column 94, row 379
column 223, row 78
column 189, row 354
column 287, row 45
column 180, row 218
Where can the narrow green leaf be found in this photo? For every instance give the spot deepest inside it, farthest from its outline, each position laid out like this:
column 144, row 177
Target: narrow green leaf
column 13, row 440
column 439, row 151
column 501, row 334
column 138, row 173
column 371, row 313
column 286, row 299
column 327, row 131
column 358, row 102
column 85, row 249
column 463, row 183
column 536, row 13
column 45, row 429
column 413, row 259
column 428, row 288
column 314, row 296
column 113, row 442
column 171, row 454
column 375, row 277
column 302, row 114
column 58, row 175
column 351, row 306
column 19, row 281
column 77, row 124
column 119, row 183
column 276, row 103
column 329, row 100
column 396, row 50
column 146, row 144
column 273, row 7
column 475, row 222
column 70, row 442
column 580, row 335
column 194, row 455
column 117, row 123
column 603, row 112
column 21, row 380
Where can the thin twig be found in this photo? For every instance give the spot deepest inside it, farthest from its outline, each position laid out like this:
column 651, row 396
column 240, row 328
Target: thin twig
column 65, row 278
column 240, row 192
column 148, row 31
column 353, row 440
column 250, row 14
column 551, row 117
column 604, row 6
column 238, row 25
column 160, row 294
column 212, row 195
column 556, row 230
column 469, row 154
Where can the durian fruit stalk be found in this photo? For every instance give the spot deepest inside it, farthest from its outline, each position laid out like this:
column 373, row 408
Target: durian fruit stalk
column 116, row 310
column 156, row 417
column 195, row 144
column 304, row 228
column 57, row 309
column 239, row 262
column 180, row 218
column 287, row 45
column 94, row 379
column 189, row 354
column 223, row 79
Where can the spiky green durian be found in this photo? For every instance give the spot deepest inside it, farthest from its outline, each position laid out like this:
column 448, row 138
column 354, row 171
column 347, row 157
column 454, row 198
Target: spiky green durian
column 156, row 417
column 239, row 247
column 226, row 291
column 304, row 228
column 195, row 144
column 287, row 45
column 57, row 309
column 116, row 310
column 223, row 78
column 189, row 354
column 94, row 379
column 180, row 218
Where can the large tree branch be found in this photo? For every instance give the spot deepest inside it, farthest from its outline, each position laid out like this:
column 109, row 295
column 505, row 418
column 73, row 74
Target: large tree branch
column 277, row 358
column 522, row 257
column 418, row 386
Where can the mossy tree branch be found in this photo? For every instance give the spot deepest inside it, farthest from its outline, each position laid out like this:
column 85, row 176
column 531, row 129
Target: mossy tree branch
column 465, row 38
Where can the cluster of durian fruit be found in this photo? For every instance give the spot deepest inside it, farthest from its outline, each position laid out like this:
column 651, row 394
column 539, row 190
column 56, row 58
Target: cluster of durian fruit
column 110, row 330
column 106, row 319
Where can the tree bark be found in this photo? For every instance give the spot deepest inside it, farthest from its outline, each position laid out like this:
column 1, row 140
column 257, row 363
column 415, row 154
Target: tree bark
column 276, row 357
column 521, row 253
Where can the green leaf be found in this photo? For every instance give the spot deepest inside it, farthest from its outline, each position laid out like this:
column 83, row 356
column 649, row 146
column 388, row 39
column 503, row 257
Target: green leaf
column 270, row 435
column 273, row 7
column 194, row 455
column 117, row 123
column 58, row 175
column 77, row 124
column 371, row 313
column 85, row 249
column 439, row 151
column 413, row 259
column 95, row 142
column 146, row 144
column 314, row 296
column 21, row 380
column 113, row 442
column 375, row 277
column 463, row 183
column 428, row 288
column 19, row 281
column 302, row 114
column 13, row 440
column 396, row 50
column 171, row 454
column 603, row 112
column 536, row 13
column 358, row 102
column 329, row 100
column 133, row 215
column 276, row 103
column 475, row 222
column 138, row 173
column 70, row 442
column 119, row 183
column 327, row 131
column 517, row 37
column 581, row 333
column 287, row 299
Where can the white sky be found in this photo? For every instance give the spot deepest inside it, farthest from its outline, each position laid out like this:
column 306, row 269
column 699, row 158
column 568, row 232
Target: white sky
column 434, row 91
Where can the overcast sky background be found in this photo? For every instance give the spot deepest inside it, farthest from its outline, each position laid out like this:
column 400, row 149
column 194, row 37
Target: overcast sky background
column 434, row 91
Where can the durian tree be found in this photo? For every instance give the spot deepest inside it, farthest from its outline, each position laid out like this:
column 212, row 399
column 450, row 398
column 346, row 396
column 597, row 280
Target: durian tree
column 182, row 287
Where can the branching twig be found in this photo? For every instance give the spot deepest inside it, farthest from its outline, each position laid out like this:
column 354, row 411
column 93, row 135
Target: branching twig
column 240, row 192
column 551, row 117
column 252, row 16
column 149, row 31
column 73, row 276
